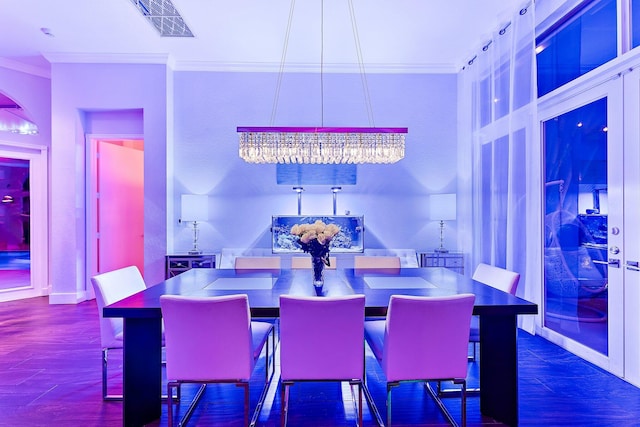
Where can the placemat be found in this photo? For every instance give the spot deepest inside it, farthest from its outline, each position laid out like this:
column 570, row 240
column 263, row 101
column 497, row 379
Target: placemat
column 398, row 283
column 241, row 283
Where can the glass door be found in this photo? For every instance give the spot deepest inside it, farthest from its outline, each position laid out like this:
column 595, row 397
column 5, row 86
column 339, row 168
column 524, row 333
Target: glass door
column 15, row 224
column 583, row 218
column 632, row 227
column 23, row 223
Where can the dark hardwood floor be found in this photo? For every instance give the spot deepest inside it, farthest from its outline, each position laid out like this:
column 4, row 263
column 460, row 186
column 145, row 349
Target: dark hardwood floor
column 50, row 375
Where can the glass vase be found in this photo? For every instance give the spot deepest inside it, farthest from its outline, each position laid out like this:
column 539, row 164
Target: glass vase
column 318, row 271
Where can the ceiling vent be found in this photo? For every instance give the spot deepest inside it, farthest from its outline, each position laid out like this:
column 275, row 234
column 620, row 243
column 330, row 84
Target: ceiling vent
column 164, row 17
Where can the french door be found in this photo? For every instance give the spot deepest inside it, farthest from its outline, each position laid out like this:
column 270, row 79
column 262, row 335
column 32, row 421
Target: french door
column 591, row 241
column 631, row 254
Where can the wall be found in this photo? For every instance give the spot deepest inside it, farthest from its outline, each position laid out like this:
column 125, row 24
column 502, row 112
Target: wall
column 79, row 89
column 191, row 146
column 243, row 197
column 33, row 93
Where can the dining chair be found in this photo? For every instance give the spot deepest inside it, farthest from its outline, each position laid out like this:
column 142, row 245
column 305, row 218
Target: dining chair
column 362, row 262
column 213, row 340
column 321, row 339
column 496, row 277
column 423, row 339
column 257, row 263
column 111, row 287
column 304, row 262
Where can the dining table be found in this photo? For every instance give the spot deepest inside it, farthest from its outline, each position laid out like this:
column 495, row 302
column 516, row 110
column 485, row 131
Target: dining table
column 497, row 311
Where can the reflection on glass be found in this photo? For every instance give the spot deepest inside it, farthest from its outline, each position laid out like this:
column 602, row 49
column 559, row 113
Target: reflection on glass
column 15, row 264
column 575, row 247
column 635, row 23
column 585, row 41
column 14, row 119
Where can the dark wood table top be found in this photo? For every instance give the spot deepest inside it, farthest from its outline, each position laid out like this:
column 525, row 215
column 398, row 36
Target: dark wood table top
column 265, row 287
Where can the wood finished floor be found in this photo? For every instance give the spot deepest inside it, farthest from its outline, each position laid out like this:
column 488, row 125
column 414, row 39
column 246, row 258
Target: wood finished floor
column 50, row 375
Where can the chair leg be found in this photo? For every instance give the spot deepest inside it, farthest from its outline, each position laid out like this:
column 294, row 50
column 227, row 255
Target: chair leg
column 192, row 406
column 389, row 387
column 104, row 374
column 170, row 386
column 246, row 403
column 360, row 404
column 463, row 410
column 436, row 397
column 284, row 403
column 273, row 355
column 105, row 393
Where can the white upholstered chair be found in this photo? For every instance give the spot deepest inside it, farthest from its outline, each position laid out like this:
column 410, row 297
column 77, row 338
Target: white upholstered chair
column 496, row 277
column 111, row 287
column 257, row 263
column 213, row 340
column 321, row 339
column 362, row 262
column 227, row 258
column 423, row 339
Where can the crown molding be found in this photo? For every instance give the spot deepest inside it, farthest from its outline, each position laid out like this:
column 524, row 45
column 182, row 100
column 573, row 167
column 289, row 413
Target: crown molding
column 107, row 58
column 25, row 68
column 271, row 67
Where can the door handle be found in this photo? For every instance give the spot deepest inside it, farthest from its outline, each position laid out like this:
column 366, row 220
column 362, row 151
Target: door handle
column 633, row 265
column 613, row 262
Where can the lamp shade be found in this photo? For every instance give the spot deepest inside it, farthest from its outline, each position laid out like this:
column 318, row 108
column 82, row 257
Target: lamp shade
column 194, row 207
column 442, row 207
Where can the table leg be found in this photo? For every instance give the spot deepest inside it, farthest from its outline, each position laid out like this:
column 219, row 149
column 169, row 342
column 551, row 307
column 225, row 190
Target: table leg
column 499, row 368
column 142, row 382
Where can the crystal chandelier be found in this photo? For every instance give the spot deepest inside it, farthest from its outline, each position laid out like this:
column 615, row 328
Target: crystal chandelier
column 322, row 145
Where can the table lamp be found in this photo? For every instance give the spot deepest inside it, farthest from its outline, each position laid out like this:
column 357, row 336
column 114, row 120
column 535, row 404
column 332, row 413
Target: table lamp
column 442, row 208
column 194, row 208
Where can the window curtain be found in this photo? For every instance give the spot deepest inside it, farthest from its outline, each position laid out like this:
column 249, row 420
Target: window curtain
column 499, row 155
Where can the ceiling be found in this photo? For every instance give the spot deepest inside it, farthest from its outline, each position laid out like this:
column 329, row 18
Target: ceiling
column 248, row 35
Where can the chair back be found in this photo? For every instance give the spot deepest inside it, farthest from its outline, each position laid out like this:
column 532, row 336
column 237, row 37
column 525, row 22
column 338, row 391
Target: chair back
column 257, row 263
column 376, row 262
column 427, row 337
column 496, row 277
column 304, row 262
column 112, row 287
column 322, row 338
column 207, row 338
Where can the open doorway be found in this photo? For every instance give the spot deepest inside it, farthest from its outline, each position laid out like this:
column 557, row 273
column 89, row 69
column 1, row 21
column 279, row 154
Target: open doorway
column 23, row 222
column 115, row 204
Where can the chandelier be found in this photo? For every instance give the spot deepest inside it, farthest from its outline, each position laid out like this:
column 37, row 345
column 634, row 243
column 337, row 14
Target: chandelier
column 322, row 145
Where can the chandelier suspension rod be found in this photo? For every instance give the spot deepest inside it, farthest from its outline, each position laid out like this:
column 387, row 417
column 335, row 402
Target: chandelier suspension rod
column 363, row 75
column 322, row 63
column 283, row 58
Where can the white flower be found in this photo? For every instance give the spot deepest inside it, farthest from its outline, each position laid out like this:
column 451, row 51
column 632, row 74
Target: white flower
column 320, row 231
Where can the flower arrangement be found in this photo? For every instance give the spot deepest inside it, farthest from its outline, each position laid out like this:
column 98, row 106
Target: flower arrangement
column 315, row 238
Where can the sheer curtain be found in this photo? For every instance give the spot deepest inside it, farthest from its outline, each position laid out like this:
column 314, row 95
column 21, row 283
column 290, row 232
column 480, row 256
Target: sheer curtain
column 499, row 155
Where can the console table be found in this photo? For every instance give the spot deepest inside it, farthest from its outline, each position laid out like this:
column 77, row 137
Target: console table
column 176, row 264
column 452, row 260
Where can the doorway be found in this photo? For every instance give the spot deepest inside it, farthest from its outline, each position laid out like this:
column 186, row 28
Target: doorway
column 115, row 204
column 584, row 213
column 23, row 222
